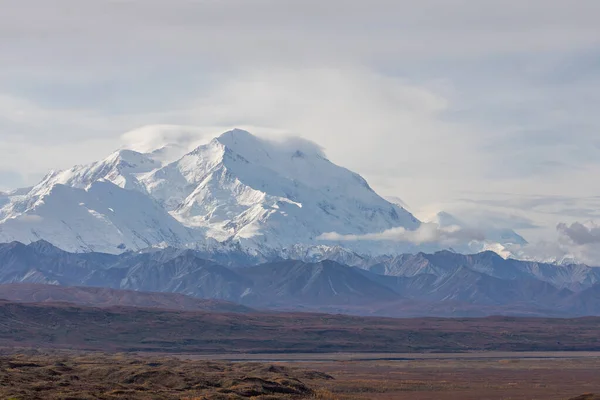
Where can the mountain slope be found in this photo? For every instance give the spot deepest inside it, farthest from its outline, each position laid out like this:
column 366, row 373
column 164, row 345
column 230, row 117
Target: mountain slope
column 121, row 168
column 586, row 302
column 473, row 287
column 40, row 262
column 102, row 217
column 441, row 264
column 268, row 195
column 325, row 283
column 186, row 274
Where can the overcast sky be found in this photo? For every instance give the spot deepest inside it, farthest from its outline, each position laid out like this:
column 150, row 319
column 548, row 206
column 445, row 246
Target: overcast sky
column 486, row 108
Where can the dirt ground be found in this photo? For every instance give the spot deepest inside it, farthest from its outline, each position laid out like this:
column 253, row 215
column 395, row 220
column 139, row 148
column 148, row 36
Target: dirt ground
column 514, row 379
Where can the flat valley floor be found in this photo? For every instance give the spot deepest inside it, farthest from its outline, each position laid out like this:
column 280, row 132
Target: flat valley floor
column 463, row 379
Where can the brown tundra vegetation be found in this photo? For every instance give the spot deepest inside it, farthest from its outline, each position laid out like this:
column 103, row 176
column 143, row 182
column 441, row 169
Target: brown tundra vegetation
column 37, row 375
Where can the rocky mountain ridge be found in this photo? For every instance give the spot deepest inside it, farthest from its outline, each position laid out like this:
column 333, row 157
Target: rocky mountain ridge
column 440, row 284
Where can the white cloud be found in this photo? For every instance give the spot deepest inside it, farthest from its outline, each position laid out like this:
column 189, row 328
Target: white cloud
column 574, row 243
column 149, row 138
column 580, row 234
column 269, row 31
column 427, row 233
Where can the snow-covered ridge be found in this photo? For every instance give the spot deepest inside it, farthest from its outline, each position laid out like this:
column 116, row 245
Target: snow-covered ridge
column 237, row 192
column 262, row 195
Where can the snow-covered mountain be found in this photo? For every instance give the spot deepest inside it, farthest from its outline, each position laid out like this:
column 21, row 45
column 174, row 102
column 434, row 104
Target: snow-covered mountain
column 101, row 217
column 270, row 195
column 121, row 168
column 259, row 195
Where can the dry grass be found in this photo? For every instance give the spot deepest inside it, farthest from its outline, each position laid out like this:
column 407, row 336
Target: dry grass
column 94, row 376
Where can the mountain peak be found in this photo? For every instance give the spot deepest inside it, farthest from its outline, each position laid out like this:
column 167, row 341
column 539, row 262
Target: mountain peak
column 270, row 193
column 129, row 160
column 489, row 254
column 245, row 144
column 445, row 219
column 44, row 247
column 266, row 150
column 236, row 135
column 123, row 154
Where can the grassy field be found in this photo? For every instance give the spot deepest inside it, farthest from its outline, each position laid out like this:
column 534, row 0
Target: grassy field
column 60, row 375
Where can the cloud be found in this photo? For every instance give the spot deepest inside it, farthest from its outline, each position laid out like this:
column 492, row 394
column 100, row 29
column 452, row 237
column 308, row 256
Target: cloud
column 576, row 243
column 426, row 234
column 534, row 216
column 481, row 217
column 149, row 138
column 580, row 234
column 265, row 32
column 10, row 180
column 541, row 251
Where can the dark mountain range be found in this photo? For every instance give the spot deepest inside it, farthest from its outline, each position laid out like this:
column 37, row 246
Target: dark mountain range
column 444, row 263
column 586, row 302
column 314, row 284
column 440, row 284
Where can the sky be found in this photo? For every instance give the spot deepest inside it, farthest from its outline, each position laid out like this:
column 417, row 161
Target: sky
column 483, row 108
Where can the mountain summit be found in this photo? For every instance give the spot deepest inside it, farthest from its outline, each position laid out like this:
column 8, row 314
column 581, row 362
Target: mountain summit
column 267, row 194
column 261, row 195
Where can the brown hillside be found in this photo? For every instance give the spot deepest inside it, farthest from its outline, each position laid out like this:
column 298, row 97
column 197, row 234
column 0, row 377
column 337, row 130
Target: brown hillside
column 136, row 329
column 105, row 297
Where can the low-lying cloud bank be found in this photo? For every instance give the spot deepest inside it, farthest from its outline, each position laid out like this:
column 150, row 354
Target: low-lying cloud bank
column 427, row 233
column 576, row 242
column 580, row 234
column 580, row 241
